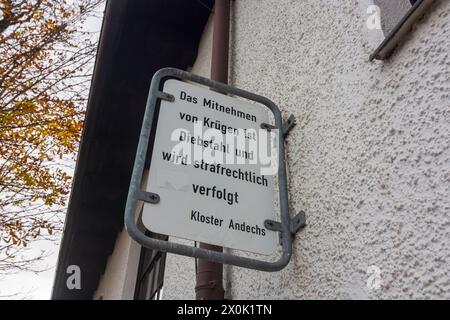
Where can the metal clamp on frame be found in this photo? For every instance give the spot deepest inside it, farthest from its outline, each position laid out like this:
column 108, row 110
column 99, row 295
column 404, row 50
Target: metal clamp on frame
column 286, row 227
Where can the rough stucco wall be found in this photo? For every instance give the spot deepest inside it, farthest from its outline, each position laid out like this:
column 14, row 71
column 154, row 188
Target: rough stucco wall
column 369, row 160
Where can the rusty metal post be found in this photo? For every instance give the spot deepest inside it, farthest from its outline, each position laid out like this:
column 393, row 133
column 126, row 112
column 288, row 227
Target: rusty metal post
column 209, row 275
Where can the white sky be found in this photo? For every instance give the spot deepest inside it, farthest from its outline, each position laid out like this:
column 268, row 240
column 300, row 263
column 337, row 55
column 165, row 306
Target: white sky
column 28, row 285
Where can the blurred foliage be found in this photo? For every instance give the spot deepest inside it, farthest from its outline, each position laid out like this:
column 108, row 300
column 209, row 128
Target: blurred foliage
column 46, row 60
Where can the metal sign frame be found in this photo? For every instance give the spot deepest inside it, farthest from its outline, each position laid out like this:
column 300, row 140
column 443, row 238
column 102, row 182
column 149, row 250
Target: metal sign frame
column 287, row 228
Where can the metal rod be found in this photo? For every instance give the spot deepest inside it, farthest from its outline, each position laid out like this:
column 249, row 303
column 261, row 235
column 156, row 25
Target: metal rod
column 209, row 275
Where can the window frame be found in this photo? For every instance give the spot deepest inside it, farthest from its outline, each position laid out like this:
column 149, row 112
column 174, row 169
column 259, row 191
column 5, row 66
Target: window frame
column 398, row 33
column 150, row 275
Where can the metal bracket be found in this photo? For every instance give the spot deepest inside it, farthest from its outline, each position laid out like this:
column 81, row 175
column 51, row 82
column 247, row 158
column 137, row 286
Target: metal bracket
column 267, row 126
column 165, row 96
column 149, row 197
column 287, row 227
column 296, row 223
column 287, row 126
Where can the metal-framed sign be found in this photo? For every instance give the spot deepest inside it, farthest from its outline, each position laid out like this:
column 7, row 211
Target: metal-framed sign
column 206, row 169
column 206, row 188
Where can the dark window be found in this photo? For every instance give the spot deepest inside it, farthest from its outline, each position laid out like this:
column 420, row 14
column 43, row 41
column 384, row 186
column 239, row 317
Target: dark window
column 150, row 277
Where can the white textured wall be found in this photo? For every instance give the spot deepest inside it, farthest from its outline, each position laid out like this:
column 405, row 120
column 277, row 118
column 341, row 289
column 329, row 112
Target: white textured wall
column 369, row 160
column 119, row 279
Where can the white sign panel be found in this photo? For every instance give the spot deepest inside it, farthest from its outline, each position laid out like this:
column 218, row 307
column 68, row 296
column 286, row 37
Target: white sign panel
column 207, row 167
